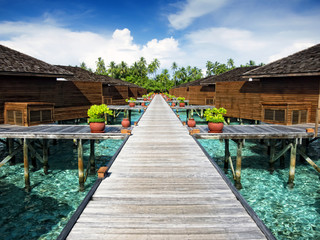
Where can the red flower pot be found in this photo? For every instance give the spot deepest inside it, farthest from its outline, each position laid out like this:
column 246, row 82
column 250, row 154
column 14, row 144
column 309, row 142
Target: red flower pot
column 215, row 127
column 182, row 104
column 97, row 127
column 143, row 104
column 125, row 123
column 132, row 104
column 173, row 104
column 144, row 99
column 191, row 122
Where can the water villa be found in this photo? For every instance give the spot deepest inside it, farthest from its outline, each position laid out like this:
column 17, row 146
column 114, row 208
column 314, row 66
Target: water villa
column 162, row 183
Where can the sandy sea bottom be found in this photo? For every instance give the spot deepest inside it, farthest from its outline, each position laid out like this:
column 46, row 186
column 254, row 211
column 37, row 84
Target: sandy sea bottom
column 288, row 213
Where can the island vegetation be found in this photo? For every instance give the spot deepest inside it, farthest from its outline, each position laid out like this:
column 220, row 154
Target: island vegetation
column 153, row 78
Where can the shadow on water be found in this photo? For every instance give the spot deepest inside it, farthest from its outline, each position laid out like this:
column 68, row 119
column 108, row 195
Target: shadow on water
column 27, row 215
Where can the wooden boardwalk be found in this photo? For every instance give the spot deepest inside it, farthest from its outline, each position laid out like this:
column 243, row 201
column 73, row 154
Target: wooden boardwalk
column 162, row 186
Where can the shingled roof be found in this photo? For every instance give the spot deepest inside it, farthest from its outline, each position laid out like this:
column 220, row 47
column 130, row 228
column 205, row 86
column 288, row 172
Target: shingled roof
column 303, row 63
column 230, row 76
column 16, row 63
column 83, row 75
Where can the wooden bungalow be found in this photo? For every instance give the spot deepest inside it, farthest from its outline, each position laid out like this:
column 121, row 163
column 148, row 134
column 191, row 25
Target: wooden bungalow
column 283, row 92
column 289, row 89
column 228, row 95
column 27, row 88
column 86, row 88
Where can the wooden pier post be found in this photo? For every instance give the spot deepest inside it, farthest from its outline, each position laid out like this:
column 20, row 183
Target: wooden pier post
column 92, row 158
column 26, row 165
column 293, row 156
column 272, row 153
column 226, row 155
column 80, row 165
column 238, row 184
column 11, row 149
column 45, row 153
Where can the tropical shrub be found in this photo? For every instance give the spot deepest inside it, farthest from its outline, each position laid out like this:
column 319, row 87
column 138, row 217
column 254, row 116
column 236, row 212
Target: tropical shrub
column 97, row 113
column 215, row 115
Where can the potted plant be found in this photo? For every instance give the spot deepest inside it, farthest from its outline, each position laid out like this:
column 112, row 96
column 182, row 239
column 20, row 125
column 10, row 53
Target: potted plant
column 215, row 119
column 132, row 101
column 181, row 101
column 97, row 117
column 191, row 122
column 144, row 97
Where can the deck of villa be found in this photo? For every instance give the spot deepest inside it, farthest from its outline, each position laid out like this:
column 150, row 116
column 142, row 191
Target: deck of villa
column 163, row 186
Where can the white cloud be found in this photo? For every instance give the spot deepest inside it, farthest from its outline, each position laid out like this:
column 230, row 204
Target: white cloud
column 193, row 9
column 57, row 45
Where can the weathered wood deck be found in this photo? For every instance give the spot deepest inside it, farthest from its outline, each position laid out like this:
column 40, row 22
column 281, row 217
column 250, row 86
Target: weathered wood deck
column 162, row 186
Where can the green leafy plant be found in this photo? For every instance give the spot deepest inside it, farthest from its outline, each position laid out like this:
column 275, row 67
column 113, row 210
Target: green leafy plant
column 215, row 115
column 181, row 99
column 97, row 113
column 131, row 99
column 144, row 96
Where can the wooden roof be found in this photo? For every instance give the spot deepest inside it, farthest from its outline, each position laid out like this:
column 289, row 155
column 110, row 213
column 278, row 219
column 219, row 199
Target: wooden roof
column 230, row 76
column 83, row 75
column 303, row 63
column 18, row 64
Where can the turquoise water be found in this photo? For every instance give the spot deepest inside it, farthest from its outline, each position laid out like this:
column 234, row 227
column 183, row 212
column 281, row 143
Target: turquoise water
column 43, row 213
column 288, row 213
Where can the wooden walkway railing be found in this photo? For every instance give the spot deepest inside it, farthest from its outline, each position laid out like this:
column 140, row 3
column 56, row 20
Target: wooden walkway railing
column 163, row 186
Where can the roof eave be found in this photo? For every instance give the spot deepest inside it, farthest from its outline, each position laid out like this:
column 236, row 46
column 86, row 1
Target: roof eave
column 28, row 74
column 281, row 75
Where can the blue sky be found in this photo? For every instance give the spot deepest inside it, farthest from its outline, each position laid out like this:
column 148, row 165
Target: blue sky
column 189, row 32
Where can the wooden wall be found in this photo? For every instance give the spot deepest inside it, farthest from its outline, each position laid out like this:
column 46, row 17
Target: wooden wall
column 244, row 99
column 118, row 94
column 142, row 91
column 73, row 99
column 25, row 89
column 197, row 95
column 133, row 92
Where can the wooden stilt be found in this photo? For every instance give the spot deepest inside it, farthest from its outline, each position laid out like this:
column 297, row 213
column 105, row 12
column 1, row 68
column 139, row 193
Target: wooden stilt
column 272, row 153
column 80, row 165
column 129, row 115
column 238, row 165
column 92, row 159
column 11, row 149
column 282, row 158
column 201, row 113
column 292, row 163
column 26, row 165
column 45, row 156
column 226, row 155
column 228, row 121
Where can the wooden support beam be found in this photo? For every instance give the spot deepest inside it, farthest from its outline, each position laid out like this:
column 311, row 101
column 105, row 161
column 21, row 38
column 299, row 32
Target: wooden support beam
column 7, row 158
column 226, row 155
column 92, row 158
column 272, row 153
column 11, row 149
column 80, row 165
column 292, row 169
column 45, row 153
column 26, row 165
column 282, row 152
column 312, row 163
column 238, row 184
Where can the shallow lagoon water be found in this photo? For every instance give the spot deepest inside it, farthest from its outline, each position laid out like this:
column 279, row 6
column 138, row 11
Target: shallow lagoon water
column 288, row 213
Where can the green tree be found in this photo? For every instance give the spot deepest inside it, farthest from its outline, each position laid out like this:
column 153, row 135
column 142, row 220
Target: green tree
column 101, row 67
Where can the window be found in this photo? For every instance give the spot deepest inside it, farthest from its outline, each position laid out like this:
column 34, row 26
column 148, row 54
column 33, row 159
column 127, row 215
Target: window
column 40, row 116
column 299, row 116
column 274, row 115
column 14, row 117
column 209, row 101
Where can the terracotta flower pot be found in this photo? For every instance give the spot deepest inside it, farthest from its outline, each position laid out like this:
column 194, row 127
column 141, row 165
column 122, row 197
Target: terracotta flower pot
column 132, row 104
column 97, row 127
column 182, row 104
column 144, row 99
column 191, row 122
column 215, row 127
column 143, row 104
column 173, row 104
column 125, row 123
